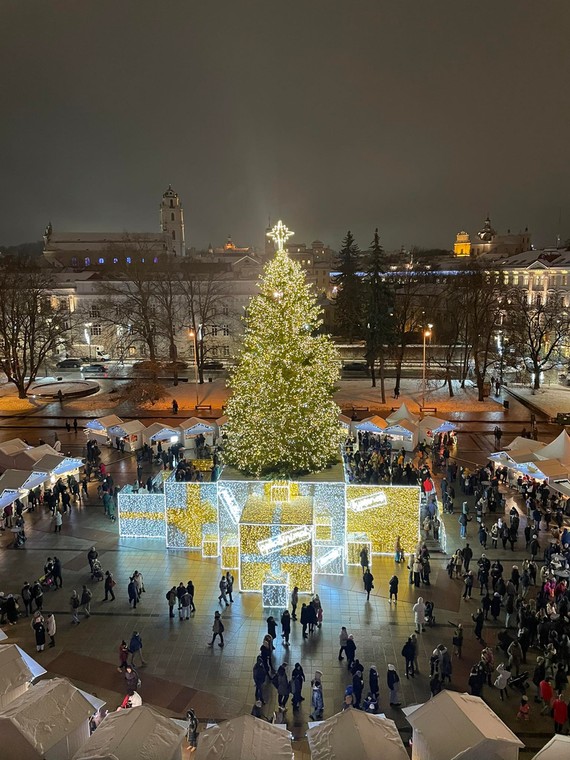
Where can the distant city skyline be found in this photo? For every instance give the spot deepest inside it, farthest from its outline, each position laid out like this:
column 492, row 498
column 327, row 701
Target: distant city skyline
column 419, row 119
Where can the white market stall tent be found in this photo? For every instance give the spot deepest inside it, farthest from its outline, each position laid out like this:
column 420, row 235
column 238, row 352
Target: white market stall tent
column 558, row 449
column 22, row 480
column 244, row 738
column 99, row 427
column 139, row 732
column 17, row 673
column 524, row 444
column 557, row 748
column 28, row 458
column 159, row 432
column 132, row 433
column 48, row 722
column 191, row 429
column 403, row 435
column 453, row 725
column 374, row 424
column 9, row 449
column 355, row 734
column 402, row 413
column 430, row 426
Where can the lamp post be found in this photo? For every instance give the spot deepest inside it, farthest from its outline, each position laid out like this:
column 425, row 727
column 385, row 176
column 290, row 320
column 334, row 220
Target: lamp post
column 426, row 334
column 192, row 335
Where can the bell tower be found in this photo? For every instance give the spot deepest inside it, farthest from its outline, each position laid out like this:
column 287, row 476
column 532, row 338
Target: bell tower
column 172, row 222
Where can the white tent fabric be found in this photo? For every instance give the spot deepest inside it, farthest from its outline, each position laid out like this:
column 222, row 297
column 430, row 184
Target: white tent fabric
column 195, row 426
column 102, row 423
column 403, row 413
column 15, row 675
column 558, row 449
column 355, row 734
column 550, row 468
column 221, row 421
column 159, row 432
column 522, row 456
column 528, row 444
column 140, row 732
column 477, row 731
column 49, row 721
column 13, row 446
column 556, row 749
column 431, row 423
column 126, row 428
column 374, row 424
column 244, row 738
column 561, row 485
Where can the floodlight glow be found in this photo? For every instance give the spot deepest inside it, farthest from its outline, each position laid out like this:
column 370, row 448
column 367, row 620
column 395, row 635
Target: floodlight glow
column 329, row 557
column 285, row 540
column 368, row 501
column 229, row 501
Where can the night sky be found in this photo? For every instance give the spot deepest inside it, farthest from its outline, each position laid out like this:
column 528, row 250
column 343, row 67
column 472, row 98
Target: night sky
column 416, row 117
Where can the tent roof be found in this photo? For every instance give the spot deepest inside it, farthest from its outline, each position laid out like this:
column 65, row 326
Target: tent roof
column 126, row 428
column 474, row 724
column 26, row 460
column 162, row 431
column 102, row 423
column 372, row 424
column 222, row 420
column 403, row 413
column 557, row 747
column 431, row 423
column 558, row 449
column 550, row 468
column 561, row 485
column 524, row 443
column 244, row 737
column 344, row 420
column 13, row 479
column 356, row 734
column 522, row 456
column 14, row 670
column 44, row 715
column 140, row 732
column 202, row 426
column 7, row 497
column 408, row 425
column 13, row 446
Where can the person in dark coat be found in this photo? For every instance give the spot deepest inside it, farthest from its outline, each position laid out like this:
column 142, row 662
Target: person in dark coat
column 350, row 650
column 393, row 588
column 373, row 682
column 364, row 563
column 272, row 627
column 297, row 680
column 286, row 627
column 357, row 688
column 40, row 631
column 311, row 616
column 11, row 610
column 408, row 653
column 132, row 592
column 304, row 619
column 478, row 618
column 496, row 606
column 368, row 579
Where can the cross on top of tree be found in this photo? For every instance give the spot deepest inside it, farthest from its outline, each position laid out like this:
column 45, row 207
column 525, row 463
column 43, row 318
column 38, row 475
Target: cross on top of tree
column 280, row 234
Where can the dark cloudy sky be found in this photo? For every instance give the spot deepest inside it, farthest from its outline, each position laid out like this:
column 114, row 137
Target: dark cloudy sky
column 415, row 116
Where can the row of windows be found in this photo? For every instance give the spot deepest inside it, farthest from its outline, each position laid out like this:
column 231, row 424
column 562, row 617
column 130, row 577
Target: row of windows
column 101, row 260
column 536, row 281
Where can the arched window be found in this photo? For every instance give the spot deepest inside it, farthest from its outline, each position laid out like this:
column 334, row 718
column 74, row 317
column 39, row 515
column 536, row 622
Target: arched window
column 171, row 203
column 87, row 261
column 74, row 261
column 101, row 261
column 174, row 234
column 172, row 217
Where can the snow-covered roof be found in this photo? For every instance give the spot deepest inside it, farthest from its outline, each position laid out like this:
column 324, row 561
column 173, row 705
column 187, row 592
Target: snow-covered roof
column 13, row 446
column 244, row 738
column 14, row 670
column 355, row 734
column 521, row 443
column 556, row 749
column 159, row 432
column 548, row 258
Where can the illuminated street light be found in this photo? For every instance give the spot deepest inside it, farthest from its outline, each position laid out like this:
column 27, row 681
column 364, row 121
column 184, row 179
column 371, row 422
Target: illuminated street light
column 427, row 334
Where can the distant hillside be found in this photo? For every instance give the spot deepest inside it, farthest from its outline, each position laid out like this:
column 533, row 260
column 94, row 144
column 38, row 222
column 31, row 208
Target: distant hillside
column 23, row 249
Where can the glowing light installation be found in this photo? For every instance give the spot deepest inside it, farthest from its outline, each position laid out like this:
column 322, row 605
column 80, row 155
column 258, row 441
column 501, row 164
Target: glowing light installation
column 369, row 501
column 285, row 540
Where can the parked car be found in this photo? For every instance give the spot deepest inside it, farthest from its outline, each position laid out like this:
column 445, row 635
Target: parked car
column 213, row 365
column 355, row 367
column 70, row 363
column 95, row 368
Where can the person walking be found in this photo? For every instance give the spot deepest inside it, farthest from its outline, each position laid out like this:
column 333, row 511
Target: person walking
column 58, row 519
column 559, row 713
column 259, row 676
column 408, row 652
column 458, row 640
column 364, row 562
column 502, row 680
column 419, row 610
column 132, row 592
column 51, row 628
column 393, row 683
column 171, row 598
column 304, row 619
column 297, row 680
column 467, row 555
column 136, row 647
column 393, row 588
column 478, row 618
column 283, row 687
column 230, row 585
column 342, row 640
column 294, row 602
column 56, row 573
column 317, row 701
column 109, row 585
column 223, row 586
column 40, row 631
column 86, row 596
column 26, row 596
column 374, row 683
column 217, row 629
column 123, row 656
column 192, row 592
column 368, row 581
column 357, row 688
column 74, row 603
column 350, row 649
column 285, row 627
column 272, row 628
column 468, row 581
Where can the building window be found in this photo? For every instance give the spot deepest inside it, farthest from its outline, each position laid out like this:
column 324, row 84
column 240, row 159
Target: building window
column 174, row 234
column 225, row 311
column 225, row 330
column 215, row 352
column 171, row 203
column 172, row 216
column 87, row 261
column 215, row 329
column 101, row 261
column 225, row 351
column 74, row 261
column 94, row 312
column 96, row 330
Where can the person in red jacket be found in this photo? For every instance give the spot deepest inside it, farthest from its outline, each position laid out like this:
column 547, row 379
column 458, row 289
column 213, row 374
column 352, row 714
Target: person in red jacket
column 559, row 713
column 546, row 694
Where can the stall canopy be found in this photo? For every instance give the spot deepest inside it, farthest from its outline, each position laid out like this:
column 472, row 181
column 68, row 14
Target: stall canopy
column 355, row 734
column 244, row 738
column 374, row 424
column 158, row 432
column 136, row 733
column 404, row 428
column 124, row 429
column 196, row 426
column 17, row 673
column 562, row 486
column 221, row 421
column 524, row 444
column 344, row 420
column 22, row 480
column 549, row 468
column 101, row 424
column 51, row 720
column 29, row 458
column 58, row 465
column 476, row 731
column 558, row 449
column 556, row 749
column 403, row 413
column 436, row 425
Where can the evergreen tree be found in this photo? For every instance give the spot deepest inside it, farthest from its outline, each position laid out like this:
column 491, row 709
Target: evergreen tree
column 378, row 312
column 282, row 419
column 348, row 302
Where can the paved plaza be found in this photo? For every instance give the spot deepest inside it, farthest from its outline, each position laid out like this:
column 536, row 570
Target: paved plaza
column 182, row 671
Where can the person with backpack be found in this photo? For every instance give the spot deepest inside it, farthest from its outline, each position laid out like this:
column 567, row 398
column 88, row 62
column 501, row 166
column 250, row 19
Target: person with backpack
column 171, row 598
column 217, row 629
column 109, row 585
column 136, row 646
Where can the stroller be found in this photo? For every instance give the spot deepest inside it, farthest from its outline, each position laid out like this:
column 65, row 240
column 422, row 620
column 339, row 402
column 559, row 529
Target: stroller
column 96, row 571
column 430, row 614
column 505, row 638
column 519, row 682
column 46, row 581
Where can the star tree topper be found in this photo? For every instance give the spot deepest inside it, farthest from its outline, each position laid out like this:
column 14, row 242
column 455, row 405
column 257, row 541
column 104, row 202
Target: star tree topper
column 280, row 234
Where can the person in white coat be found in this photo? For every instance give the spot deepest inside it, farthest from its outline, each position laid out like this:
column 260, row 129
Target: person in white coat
column 419, row 610
column 51, row 628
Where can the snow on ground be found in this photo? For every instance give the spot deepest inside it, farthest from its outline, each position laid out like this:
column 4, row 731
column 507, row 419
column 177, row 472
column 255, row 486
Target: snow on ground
column 550, row 399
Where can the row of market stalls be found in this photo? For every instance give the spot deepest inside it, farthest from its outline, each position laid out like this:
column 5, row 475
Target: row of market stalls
column 527, row 458
column 132, row 435
column 403, row 428
column 28, row 467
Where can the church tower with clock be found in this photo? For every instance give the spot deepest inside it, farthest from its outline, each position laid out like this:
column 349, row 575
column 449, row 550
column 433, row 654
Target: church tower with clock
column 172, row 222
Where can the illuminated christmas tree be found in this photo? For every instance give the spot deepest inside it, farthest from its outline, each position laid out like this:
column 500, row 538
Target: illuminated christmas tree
column 282, row 419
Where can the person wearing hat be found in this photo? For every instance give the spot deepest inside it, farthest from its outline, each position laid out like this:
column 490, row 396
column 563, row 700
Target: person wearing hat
column 524, row 709
column 393, row 682
column 256, row 710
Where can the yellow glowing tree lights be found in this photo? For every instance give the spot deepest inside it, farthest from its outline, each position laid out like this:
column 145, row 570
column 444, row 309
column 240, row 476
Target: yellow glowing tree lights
column 396, row 514
column 281, row 414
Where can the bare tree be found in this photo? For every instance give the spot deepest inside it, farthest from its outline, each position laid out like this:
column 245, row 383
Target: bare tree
column 538, row 328
column 33, row 322
column 408, row 317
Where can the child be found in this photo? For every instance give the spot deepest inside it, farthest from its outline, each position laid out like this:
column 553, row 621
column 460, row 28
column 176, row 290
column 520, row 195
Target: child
column 524, row 709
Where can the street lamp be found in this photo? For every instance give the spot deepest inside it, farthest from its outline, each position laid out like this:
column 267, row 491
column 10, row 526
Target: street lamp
column 192, row 335
column 88, row 326
column 426, row 334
